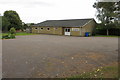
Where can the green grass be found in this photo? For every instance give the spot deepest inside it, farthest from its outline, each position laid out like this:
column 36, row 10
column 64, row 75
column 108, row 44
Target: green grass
column 17, row 34
column 0, row 36
column 106, row 72
column 20, row 33
column 23, row 33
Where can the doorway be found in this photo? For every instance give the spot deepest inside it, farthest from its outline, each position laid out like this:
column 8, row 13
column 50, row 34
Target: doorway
column 67, row 31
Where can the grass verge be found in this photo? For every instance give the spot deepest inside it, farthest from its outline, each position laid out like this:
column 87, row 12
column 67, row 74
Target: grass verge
column 20, row 33
column 103, row 72
column 17, row 34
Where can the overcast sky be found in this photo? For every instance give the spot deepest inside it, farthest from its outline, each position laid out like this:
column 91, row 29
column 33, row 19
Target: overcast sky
column 35, row 11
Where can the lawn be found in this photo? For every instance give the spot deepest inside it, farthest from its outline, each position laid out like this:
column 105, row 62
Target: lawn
column 18, row 34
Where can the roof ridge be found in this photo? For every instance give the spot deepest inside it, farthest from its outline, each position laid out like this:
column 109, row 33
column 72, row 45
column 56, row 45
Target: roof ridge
column 71, row 19
column 65, row 23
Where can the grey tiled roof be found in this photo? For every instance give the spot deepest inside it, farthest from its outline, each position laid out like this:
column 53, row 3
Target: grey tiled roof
column 64, row 23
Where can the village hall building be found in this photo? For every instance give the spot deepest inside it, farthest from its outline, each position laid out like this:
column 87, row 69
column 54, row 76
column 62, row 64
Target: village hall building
column 71, row 27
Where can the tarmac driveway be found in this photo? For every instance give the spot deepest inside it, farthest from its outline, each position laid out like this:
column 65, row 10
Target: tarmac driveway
column 41, row 56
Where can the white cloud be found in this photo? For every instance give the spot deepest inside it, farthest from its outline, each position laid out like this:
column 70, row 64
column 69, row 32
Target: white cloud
column 40, row 10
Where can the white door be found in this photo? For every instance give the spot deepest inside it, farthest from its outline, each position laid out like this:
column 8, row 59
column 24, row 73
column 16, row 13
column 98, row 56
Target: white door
column 67, row 31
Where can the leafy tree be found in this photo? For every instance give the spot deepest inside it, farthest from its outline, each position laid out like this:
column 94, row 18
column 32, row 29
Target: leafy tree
column 107, row 13
column 5, row 24
column 0, row 23
column 14, row 19
column 24, row 25
column 32, row 23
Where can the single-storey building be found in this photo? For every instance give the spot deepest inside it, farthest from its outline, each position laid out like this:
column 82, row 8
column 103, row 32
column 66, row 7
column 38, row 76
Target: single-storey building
column 71, row 27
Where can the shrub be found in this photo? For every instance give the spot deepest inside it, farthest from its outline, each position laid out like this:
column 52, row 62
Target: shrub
column 12, row 30
column 5, row 37
column 12, row 36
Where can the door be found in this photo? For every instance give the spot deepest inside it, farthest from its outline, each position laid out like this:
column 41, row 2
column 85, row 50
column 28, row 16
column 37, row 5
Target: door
column 67, row 31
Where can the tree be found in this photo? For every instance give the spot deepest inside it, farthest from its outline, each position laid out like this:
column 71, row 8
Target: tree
column 24, row 26
column 0, row 23
column 14, row 19
column 5, row 24
column 107, row 13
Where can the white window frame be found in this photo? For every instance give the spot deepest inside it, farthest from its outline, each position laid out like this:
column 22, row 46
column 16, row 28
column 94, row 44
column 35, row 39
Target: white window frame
column 41, row 29
column 55, row 28
column 47, row 28
column 75, row 29
column 36, row 28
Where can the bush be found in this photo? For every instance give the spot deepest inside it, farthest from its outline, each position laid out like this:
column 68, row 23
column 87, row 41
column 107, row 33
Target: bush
column 5, row 37
column 12, row 30
column 112, row 31
column 12, row 36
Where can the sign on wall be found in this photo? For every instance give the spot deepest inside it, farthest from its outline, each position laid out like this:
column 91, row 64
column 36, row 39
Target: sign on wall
column 75, row 29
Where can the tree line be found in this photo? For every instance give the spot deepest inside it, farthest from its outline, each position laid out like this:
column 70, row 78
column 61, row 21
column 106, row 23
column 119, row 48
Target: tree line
column 11, row 19
column 108, row 13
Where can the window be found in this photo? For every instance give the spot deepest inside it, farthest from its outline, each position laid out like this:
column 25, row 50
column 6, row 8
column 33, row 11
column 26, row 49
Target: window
column 75, row 29
column 55, row 28
column 41, row 28
column 48, row 29
column 68, row 30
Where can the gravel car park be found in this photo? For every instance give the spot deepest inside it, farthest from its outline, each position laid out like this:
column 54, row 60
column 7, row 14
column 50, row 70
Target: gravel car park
column 42, row 56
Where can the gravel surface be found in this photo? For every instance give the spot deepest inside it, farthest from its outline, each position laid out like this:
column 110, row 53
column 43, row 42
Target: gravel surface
column 43, row 56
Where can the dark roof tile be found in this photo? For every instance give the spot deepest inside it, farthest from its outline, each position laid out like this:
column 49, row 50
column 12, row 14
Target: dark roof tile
column 64, row 23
